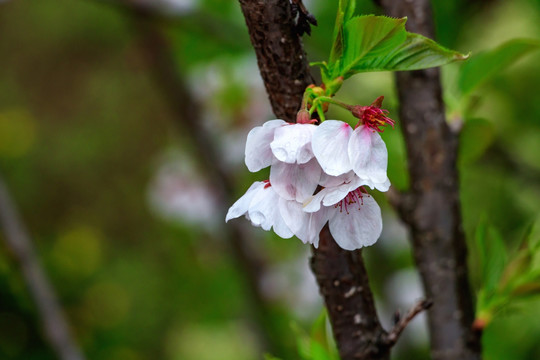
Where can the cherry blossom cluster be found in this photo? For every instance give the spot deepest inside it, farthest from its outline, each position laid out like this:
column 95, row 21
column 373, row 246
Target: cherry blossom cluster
column 318, row 174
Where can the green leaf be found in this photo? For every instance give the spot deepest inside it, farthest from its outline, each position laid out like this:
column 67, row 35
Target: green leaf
column 325, row 76
column 314, row 346
column 379, row 43
column 344, row 14
column 321, row 347
column 485, row 65
column 527, row 289
column 474, row 139
column 318, row 329
column 493, row 256
column 519, row 265
column 419, row 52
column 319, row 352
column 303, row 342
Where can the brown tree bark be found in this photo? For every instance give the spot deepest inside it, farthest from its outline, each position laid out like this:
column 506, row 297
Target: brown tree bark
column 344, row 284
column 341, row 274
column 280, row 54
column 431, row 209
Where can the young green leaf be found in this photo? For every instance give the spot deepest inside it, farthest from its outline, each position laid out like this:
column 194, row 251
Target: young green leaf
column 319, row 352
column 475, row 137
column 379, row 43
column 321, row 347
column 345, row 13
column 493, row 256
column 318, row 329
column 485, row 65
column 324, row 70
column 504, row 282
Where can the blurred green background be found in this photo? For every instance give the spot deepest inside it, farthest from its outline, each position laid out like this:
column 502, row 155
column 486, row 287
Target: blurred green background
column 127, row 222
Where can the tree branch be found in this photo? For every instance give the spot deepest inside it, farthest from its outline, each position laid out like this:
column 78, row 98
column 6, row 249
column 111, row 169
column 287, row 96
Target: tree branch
column 341, row 274
column 20, row 245
column 344, row 284
column 432, row 207
column 280, row 54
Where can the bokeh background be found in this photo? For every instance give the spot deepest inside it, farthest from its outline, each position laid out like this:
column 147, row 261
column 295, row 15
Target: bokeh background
column 127, row 217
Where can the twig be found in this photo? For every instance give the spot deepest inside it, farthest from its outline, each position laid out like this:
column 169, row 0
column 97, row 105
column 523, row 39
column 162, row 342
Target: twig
column 403, row 322
column 432, row 207
column 19, row 243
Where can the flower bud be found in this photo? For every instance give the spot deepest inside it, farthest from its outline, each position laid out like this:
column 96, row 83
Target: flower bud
column 303, row 117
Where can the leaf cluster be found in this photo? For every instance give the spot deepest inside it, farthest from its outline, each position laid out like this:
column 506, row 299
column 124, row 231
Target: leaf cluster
column 378, row 43
column 506, row 276
column 461, row 99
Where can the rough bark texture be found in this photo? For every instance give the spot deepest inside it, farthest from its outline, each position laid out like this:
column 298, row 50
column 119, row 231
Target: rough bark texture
column 340, row 274
column 280, row 54
column 344, row 285
column 432, row 208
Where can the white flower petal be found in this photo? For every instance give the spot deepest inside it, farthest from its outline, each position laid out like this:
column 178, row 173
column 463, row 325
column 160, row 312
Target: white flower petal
column 313, row 203
column 305, row 153
column 258, row 152
column 333, row 194
column 264, row 212
column 293, row 143
column 383, row 186
column 306, row 226
column 259, row 205
column 241, row 206
column 280, row 226
column 315, row 224
column 338, row 193
column 295, row 181
column 261, row 208
column 359, row 226
column 328, row 181
column 333, row 181
column 330, row 143
column 292, row 214
column 368, row 154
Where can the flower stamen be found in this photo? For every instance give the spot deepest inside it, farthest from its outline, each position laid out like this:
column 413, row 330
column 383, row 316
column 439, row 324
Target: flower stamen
column 373, row 116
column 354, row 197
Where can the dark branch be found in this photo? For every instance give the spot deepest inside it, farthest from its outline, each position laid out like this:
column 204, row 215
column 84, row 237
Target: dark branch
column 344, row 284
column 431, row 209
column 20, row 245
column 280, row 54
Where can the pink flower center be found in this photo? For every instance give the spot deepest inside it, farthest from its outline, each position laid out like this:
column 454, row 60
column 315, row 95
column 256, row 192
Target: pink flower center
column 266, row 184
column 354, row 197
column 372, row 117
